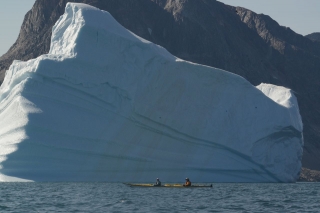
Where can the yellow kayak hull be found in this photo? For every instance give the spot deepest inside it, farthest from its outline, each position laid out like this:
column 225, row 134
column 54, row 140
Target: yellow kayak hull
column 165, row 185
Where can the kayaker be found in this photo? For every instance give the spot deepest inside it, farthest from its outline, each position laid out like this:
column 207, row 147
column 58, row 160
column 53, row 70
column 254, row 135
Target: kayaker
column 158, row 182
column 188, row 183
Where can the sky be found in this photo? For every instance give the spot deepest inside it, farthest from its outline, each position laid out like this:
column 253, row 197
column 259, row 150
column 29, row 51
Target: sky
column 12, row 13
column 302, row 16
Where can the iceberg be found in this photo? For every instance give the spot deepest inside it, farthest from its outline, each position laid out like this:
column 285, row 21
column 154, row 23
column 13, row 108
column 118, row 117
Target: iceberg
column 107, row 105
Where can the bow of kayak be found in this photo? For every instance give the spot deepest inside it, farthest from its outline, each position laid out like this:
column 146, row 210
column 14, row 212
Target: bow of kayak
column 141, row 184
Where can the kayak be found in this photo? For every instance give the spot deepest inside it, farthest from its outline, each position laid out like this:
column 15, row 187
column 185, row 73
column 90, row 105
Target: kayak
column 166, row 185
column 192, row 186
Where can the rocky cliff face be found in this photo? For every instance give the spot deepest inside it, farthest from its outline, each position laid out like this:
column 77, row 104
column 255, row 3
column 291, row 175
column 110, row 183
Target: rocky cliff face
column 206, row 32
column 308, row 175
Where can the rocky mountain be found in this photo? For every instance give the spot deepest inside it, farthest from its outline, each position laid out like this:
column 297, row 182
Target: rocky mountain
column 206, row 32
column 314, row 36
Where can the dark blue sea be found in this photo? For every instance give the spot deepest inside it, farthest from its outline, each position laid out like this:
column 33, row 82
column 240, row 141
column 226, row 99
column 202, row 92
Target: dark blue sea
column 117, row 197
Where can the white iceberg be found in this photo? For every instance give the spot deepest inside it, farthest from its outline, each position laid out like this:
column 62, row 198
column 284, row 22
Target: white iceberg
column 107, row 105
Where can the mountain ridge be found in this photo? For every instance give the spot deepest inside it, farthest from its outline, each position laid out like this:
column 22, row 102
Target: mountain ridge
column 314, row 36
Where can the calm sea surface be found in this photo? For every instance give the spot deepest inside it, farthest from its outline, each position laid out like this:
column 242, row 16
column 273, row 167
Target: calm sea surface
column 116, row 197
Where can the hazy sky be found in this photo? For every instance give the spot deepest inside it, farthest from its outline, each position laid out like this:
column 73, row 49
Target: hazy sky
column 302, row 16
column 11, row 17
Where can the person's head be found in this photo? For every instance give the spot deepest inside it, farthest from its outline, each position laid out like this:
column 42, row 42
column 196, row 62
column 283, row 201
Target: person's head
column 187, row 178
column 157, row 178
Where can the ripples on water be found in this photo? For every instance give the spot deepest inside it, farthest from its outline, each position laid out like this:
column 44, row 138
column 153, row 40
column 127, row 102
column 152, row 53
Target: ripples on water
column 115, row 197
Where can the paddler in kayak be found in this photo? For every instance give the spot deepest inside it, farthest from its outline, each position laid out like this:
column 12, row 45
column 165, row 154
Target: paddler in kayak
column 158, row 182
column 188, row 183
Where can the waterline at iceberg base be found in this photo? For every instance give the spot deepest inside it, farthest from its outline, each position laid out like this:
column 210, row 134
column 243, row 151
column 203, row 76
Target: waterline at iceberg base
column 107, row 105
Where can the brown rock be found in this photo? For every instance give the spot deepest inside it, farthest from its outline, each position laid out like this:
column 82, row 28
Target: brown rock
column 308, row 175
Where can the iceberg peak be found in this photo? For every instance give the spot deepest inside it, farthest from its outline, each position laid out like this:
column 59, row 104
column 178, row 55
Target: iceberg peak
column 82, row 32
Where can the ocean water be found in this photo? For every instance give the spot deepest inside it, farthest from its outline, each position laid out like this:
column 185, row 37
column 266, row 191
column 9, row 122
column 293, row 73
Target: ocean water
column 117, row 197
